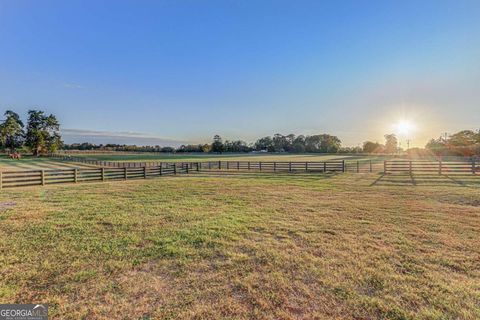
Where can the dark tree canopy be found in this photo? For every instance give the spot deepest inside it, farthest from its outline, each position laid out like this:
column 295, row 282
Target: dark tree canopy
column 42, row 132
column 11, row 131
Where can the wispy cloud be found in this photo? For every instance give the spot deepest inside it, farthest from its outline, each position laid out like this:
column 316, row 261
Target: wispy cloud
column 120, row 137
column 71, row 85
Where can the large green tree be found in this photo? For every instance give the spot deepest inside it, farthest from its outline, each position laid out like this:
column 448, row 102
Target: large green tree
column 42, row 132
column 11, row 131
column 217, row 145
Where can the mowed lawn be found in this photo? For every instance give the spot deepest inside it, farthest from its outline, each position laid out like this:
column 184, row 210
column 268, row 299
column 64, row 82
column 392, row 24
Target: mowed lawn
column 245, row 246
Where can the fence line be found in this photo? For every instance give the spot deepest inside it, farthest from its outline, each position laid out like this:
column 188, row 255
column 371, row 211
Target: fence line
column 440, row 167
column 10, row 179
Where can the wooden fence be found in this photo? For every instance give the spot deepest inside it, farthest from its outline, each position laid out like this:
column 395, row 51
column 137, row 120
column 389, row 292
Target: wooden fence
column 440, row 167
column 10, row 179
column 274, row 166
column 323, row 166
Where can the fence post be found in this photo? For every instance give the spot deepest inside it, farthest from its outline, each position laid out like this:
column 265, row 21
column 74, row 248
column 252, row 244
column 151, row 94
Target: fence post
column 410, row 167
column 384, row 166
column 274, row 166
column 238, row 165
column 199, row 166
column 125, row 173
column 144, row 172
column 290, row 167
column 186, row 168
column 42, row 175
column 248, row 165
column 306, row 166
column 103, row 174
column 324, row 166
column 344, row 166
column 440, row 167
column 174, row 168
column 473, row 166
column 358, row 166
column 1, row 180
column 219, row 165
column 161, row 166
column 75, row 175
column 228, row 165
column 371, row 166
column 260, row 165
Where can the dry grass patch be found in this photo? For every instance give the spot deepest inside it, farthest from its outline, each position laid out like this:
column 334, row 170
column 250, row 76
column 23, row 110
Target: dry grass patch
column 267, row 247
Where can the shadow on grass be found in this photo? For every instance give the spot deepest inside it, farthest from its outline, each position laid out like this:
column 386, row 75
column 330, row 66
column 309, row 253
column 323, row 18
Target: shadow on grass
column 426, row 180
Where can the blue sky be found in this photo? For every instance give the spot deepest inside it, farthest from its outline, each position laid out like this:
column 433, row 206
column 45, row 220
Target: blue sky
column 181, row 71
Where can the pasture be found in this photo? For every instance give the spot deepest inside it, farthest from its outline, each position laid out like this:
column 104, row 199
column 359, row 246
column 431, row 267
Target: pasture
column 178, row 157
column 243, row 246
column 34, row 163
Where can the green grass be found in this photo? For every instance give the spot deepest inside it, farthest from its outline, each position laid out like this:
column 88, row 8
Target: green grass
column 225, row 157
column 35, row 163
column 246, row 246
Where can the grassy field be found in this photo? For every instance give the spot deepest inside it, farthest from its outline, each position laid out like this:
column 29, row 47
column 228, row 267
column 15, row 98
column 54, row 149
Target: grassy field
column 34, row 163
column 246, row 246
column 225, row 157
column 45, row 163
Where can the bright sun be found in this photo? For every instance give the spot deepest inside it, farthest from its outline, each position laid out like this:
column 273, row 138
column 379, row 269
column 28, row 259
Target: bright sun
column 404, row 127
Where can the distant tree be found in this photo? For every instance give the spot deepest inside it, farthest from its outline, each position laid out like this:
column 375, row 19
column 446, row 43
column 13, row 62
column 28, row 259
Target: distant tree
column 391, row 143
column 298, row 144
column 217, row 145
column 190, row 148
column 350, row 150
column 207, row 148
column 42, row 132
column 167, row 149
column 324, row 143
column 373, row 147
column 279, row 142
column 463, row 138
column 265, row 143
column 11, row 131
column 236, row 146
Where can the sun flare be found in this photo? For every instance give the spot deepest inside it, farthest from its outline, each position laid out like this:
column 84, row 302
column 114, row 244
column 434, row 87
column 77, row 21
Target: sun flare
column 404, row 127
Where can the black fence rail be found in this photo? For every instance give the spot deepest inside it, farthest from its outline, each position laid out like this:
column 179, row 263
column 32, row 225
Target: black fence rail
column 440, row 167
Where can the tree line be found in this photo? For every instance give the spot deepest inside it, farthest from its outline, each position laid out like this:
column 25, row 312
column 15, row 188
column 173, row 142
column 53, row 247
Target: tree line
column 462, row 143
column 40, row 135
column 466, row 143
column 322, row 143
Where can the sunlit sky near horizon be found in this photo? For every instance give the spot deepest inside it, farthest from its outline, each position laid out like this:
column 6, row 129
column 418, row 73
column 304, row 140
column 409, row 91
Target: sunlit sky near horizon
column 168, row 72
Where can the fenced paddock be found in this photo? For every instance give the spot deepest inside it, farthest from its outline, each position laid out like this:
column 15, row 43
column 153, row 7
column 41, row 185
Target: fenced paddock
column 429, row 167
column 10, row 179
column 90, row 171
